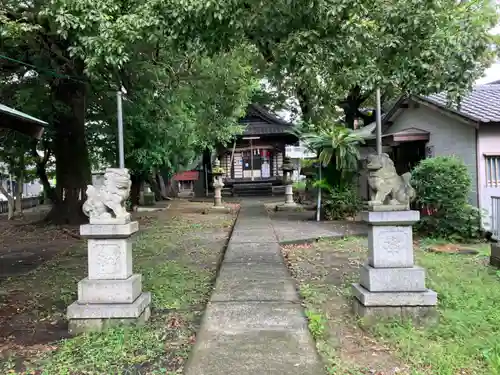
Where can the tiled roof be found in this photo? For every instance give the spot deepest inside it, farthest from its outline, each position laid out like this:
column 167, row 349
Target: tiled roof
column 259, row 121
column 482, row 104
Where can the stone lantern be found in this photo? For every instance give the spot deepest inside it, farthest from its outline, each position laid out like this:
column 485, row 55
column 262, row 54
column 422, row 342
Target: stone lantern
column 288, row 169
column 217, row 172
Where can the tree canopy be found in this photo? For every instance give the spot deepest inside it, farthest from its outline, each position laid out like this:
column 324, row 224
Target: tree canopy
column 338, row 52
column 190, row 67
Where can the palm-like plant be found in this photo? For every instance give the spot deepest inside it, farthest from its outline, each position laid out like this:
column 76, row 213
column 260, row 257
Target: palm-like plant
column 337, row 142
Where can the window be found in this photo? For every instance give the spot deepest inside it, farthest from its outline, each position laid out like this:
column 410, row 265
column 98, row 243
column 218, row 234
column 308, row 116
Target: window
column 492, row 170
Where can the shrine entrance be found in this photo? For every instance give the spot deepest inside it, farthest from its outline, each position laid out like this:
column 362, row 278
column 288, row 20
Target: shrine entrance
column 257, row 163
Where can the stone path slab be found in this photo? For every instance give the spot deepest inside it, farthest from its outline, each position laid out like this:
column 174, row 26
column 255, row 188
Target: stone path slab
column 253, row 252
column 254, row 323
column 255, row 282
column 296, row 227
column 254, row 235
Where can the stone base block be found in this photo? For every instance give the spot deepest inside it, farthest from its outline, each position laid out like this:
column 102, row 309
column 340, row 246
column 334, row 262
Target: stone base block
column 220, row 209
column 393, row 279
column 418, row 315
column 91, row 311
column 396, row 299
column 78, row 326
column 390, row 246
column 288, row 207
column 495, row 255
column 109, row 291
column 407, row 217
column 110, row 259
column 109, row 230
column 371, row 206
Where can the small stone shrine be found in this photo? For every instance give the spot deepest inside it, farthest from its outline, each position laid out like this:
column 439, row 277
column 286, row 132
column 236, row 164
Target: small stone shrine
column 111, row 294
column 390, row 284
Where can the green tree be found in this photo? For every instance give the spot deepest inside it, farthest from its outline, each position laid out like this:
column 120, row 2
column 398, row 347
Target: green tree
column 78, row 46
column 178, row 106
column 336, row 53
column 327, row 53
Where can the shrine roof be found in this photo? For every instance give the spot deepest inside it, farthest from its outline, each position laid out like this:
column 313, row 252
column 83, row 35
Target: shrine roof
column 260, row 121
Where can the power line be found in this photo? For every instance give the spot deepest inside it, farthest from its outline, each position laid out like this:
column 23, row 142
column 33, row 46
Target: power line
column 50, row 72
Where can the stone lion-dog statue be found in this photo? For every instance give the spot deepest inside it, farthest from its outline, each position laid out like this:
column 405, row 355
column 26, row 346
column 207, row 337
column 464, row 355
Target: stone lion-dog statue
column 387, row 187
column 108, row 201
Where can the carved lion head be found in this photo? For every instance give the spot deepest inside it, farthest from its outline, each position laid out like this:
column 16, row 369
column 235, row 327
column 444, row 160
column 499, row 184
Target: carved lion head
column 117, row 177
column 376, row 162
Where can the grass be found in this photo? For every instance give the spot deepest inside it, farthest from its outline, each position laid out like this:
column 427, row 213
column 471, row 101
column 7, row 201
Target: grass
column 466, row 340
column 178, row 258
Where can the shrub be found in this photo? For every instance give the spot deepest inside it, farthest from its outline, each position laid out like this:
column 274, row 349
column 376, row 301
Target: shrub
column 299, row 185
column 340, row 202
column 304, row 192
column 443, row 185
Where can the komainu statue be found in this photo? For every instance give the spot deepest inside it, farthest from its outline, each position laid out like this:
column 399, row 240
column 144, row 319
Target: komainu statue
column 387, row 187
column 108, row 201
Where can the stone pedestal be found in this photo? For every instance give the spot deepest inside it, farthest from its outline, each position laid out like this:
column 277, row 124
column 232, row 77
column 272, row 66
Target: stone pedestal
column 289, row 194
column 110, row 294
column 218, row 195
column 289, row 204
column 390, row 284
column 218, row 185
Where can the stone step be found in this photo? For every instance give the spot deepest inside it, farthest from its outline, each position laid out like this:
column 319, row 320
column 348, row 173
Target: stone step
column 253, row 189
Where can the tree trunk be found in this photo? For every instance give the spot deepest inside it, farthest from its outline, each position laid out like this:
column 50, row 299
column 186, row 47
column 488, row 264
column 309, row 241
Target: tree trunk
column 10, row 205
column 135, row 190
column 41, row 164
column 154, row 187
column 161, row 185
column 20, row 186
column 10, row 201
column 19, row 193
column 19, row 201
column 70, row 150
column 305, row 104
column 173, row 188
column 351, row 105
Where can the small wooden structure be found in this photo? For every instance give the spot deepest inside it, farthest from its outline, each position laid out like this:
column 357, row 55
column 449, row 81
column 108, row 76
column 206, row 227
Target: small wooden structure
column 15, row 120
column 185, row 181
column 256, row 156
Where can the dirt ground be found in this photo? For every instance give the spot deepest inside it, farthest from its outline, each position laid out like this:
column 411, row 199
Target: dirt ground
column 40, row 267
column 325, row 271
column 324, row 276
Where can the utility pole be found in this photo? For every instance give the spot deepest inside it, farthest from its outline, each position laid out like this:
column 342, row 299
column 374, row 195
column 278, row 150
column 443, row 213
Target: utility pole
column 121, row 152
column 318, row 209
column 379, row 124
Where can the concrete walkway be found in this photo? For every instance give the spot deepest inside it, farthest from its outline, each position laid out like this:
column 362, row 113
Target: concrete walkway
column 254, row 323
